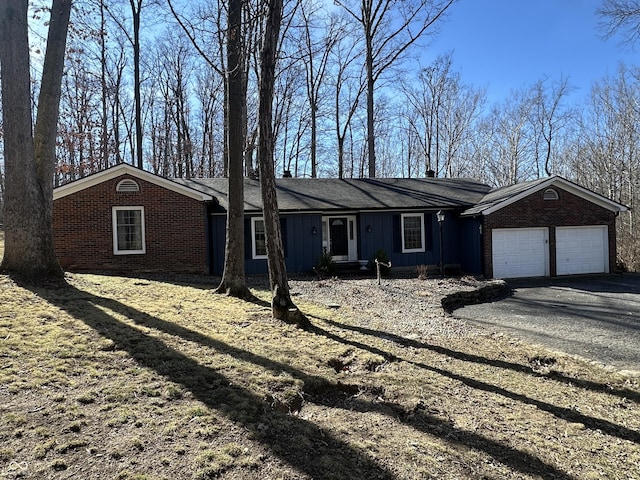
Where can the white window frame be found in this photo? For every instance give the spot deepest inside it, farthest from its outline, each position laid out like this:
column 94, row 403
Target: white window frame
column 114, row 216
column 422, row 240
column 254, row 248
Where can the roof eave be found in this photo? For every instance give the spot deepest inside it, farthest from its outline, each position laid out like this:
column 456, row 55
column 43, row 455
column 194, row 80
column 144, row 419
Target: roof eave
column 561, row 183
column 126, row 169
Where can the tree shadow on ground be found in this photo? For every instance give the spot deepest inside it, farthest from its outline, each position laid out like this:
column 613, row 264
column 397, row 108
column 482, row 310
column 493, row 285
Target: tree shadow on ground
column 245, row 407
column 562, row 413
column 214, row 390
column 195, row 281
column 469, row 357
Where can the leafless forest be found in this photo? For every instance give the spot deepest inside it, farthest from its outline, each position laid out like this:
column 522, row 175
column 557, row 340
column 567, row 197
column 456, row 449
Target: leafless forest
column 145, row 84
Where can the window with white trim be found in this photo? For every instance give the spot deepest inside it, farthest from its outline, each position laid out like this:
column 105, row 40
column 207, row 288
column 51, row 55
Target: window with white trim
column 128, row 230
column 258, row 238
column 412, row 232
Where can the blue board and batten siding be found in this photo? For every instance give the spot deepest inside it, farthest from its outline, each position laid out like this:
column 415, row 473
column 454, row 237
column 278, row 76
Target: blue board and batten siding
column 468, row 247
column 302, row 240
column 217, row 238
column 461, row 242
column 302, row 247
column 386, row 235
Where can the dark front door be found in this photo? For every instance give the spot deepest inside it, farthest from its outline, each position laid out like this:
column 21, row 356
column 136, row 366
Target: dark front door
column 339, row 235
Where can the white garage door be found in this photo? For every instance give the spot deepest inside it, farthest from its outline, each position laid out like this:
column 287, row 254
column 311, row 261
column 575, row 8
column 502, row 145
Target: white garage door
column 520, row 252
column 581, row 250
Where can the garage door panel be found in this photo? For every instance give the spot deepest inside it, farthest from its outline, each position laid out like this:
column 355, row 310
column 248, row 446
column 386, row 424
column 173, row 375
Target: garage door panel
column 581, row 250
column 520, row 252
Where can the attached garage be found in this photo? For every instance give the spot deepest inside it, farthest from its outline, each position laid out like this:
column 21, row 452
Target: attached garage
column 520, row 252
column 582, row 250
column 546, row 227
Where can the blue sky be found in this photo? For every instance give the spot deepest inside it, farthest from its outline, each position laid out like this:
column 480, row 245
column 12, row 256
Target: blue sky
column 510, row 44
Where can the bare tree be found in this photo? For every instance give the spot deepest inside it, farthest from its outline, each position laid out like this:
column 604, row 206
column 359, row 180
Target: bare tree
column 282, row 306
column 177, row 68
column 427, row 98
column 115, row 80
column 316, row 55
column 136, row 11
column 508, row 131
column 233, row 278
column 548, row 119
column 30, row 157
column 1, row 168
column 79, row 126
column 620, row 16
column 133, row 36
column 606, row 154
column 389, row 28
column 441, row 113
column 208, row 84
column 291, row 116
column 347, row 88
column 233, row 68
column 196, row 25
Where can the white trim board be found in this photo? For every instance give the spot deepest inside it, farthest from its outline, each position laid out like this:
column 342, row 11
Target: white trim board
column 126, row 169
column 562, row 184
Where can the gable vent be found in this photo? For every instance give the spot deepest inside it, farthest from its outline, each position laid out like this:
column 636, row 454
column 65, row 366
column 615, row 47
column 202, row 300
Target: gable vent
column 550, row 194
column 127, row 186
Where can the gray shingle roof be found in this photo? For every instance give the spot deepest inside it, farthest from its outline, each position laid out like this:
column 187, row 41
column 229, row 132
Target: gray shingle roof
column 326, row 194
column 501, row 194
column 500, row 197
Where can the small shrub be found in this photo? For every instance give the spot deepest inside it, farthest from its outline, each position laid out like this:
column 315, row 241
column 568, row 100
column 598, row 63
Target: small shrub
column 422, row 271
column 325, row 265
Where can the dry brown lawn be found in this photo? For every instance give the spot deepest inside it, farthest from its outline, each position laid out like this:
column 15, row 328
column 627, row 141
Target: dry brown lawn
column 128, row 378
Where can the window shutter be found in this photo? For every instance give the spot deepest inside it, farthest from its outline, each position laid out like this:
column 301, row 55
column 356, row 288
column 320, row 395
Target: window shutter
column 248, row 239
column 397, row 234
column 283, row 233
column 428, row 232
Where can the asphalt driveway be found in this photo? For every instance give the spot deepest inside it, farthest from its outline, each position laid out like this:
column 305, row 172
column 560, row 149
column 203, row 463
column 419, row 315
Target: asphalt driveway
column 596, row 317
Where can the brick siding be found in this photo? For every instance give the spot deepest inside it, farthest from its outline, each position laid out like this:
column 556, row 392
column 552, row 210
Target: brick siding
column 533, row 211
column 175, row 230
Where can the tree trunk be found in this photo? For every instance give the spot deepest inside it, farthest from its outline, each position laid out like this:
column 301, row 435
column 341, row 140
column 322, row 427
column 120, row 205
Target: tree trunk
column 281, row 305
column 314, row 140
column 104, row 126
column 30, row 157
column 340, row 157
column 233, row 278
column 135, row 12
column 371, row 141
